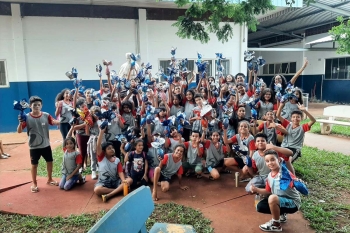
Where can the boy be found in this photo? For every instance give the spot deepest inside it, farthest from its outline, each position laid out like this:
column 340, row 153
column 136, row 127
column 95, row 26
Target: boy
column 195, row 152
column 37, row 123
column 279, row 202
column 243, row 97
column 195, row 118
column 294, row 138
column 168, row 166
column 257, row 167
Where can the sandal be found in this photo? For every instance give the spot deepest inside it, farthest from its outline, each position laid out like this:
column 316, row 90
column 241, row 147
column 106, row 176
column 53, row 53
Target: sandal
column 226, row 172
column 34, row 189
column 53, row 183
column 7, row 155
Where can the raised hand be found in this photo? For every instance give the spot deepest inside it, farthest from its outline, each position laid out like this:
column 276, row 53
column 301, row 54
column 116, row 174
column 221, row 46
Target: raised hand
column 301, row 107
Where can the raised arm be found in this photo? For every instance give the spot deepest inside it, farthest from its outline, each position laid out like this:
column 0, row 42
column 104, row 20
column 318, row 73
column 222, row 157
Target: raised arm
column 303, row 109
column 99, row 141
column 296, row 76
column 279, row 111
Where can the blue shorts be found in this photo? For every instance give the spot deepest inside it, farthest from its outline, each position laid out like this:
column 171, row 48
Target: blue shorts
column 287, row 206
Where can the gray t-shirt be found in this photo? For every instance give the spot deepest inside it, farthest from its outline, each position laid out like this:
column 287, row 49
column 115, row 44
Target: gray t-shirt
column 38, row 130
column 66, row 112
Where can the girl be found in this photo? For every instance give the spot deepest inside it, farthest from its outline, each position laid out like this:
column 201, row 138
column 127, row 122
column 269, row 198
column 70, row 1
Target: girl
column 237, row 117
column 88, row 98
column 91, row 144
column 110, row 173
column 168, row 166
column 246, row 142
column 215, row 153
column 189, row 104
column 266, row 103
column 174, row 104
column 279, row 202
column 63, row 111
column 292, row 104
column 137, row 165
column 174, row 140
column 72, row 162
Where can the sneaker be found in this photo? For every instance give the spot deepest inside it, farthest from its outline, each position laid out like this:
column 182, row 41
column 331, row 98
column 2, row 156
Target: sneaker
column 4, row 157
column 245, row 180
column 93, row 175
column 283, row 218
column 270, row 227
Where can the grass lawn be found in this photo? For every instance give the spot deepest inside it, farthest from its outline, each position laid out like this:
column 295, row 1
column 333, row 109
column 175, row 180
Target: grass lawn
column 169, row 212
column 336, row 129
column 328, row 176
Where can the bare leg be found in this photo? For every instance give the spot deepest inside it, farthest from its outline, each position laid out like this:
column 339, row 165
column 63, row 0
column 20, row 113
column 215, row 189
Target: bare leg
column 155, row 181
column 214, row 174
column 34, row 172
column 49, row 172
column 100, row 190
column 274, row 206
column 290, row 166
column 1, row 148
column 165, row 186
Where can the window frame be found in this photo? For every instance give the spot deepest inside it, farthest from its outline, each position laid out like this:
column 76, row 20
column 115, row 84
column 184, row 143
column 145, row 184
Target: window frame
column 7, row 83
column 333, row 79
column 261, row 70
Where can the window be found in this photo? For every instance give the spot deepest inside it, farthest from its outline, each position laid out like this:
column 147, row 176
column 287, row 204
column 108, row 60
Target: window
column 337, row 68
column 192, row 67
column 3, row 80
column 280, row 68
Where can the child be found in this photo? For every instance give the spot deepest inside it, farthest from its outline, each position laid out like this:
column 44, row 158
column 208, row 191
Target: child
column 3, row 155
column 270, row 128
column 242, row 98
column 194, row 155
column 174, row 104
column 63, row 111
column 258, row 168
column 195, row 118
column 291, row 104
column 169, row 165
column 137, row 165
column 72, row 162
column 294, row 138
column 174, row 140
column 244, row 140
column 266, row 103
column 110, row 170
column 37, row 123
column 91, row 144
column 280, row 202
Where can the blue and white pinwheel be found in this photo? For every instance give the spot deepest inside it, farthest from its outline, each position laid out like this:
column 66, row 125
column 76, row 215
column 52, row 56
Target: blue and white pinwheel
column 21, row 106
column 286, row 179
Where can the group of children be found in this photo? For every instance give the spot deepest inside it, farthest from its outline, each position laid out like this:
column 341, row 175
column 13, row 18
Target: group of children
column 141, row 136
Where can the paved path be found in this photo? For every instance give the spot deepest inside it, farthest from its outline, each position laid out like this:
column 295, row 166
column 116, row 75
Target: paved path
column 328, row 142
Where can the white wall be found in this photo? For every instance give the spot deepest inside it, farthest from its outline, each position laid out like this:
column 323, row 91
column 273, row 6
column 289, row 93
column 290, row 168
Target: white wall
column 6, row 46
column 162, row 36
column 316, row 58
column 53, row 45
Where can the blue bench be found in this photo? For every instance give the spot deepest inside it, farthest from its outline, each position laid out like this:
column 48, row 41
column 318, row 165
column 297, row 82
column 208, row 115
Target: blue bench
column 129, row 215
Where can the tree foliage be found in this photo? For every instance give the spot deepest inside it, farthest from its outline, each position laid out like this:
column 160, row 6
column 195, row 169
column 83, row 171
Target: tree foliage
column 341, row 34
column 214, row 16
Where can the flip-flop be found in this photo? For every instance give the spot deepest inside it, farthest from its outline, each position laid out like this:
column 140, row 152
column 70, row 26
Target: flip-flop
column 53, row 183
column 34, row 189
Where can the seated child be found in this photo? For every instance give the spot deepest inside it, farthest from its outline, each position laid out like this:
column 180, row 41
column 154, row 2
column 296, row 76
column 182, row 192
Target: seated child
column 174, row 140
column 194, row 155
column 169, row 165
column 280, row 202
column 257, row 167
column 110, row 170
column 72, row 162
column 294, row 138
column 270, row 128
column 137, row 165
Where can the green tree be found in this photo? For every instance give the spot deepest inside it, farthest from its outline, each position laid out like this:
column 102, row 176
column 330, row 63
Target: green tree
column 341, row 34
column 214, row 16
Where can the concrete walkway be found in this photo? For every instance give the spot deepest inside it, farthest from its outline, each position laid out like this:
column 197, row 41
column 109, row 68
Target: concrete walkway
column 332, row 143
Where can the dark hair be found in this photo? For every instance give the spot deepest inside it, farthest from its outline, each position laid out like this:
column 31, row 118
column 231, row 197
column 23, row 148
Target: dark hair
column 300, row 99
column 284, row 82
column 177, row 79
column 240, row 84
column 240, row 74
column 137, row 141
column 104, row 145
column 182, row 146
column 70, row 139
column 80, row 101
column 195, row 131
column 126, row 103
column 172, row 128
column 35, row 98
column 192, row 93
column 137, row 131
column 260, row 135
column 215, row 131
column 298, row 112
column 271, row 152
column 270, row 111
column 262, row 95
column 60, row 95
column 179, row 97
column 198, row 95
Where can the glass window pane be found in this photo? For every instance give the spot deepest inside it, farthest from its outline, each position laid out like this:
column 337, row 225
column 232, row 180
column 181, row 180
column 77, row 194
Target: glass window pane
column 335, row 68
column 328, row 69
column 278, row 68
column 266, row 69
column 341, row 68
column 292, row 67
column 284, row 68
column 271, row 68
column 164, row 64
column 347, row 74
